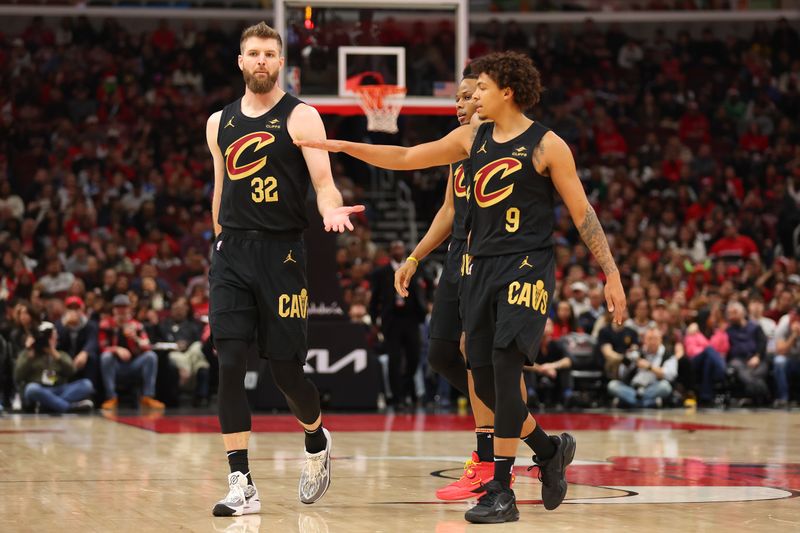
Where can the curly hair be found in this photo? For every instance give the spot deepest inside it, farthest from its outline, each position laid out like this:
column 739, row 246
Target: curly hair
column 515, row 71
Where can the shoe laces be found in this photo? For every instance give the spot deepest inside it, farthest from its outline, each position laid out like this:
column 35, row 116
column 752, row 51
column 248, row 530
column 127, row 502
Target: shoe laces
column 315, row 472
column 235, row 495
column 540, row 469
column 468, row 470
column 489, row 498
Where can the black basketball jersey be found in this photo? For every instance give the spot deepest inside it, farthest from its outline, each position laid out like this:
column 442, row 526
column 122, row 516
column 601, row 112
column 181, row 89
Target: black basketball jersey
column 460, row 197
column 266, row 177
column 511, row 205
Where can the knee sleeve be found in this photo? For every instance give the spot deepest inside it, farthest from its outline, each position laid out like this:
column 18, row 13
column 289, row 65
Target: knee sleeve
column 510, row 410
column 483, row 378
column 444, row 357
column 301, row 395
column 234, row 410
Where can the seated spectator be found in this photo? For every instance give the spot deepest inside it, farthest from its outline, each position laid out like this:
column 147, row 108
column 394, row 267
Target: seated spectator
column 43, row 373
column 610, row 143
column 641, row 321
column 552, row 380
column 564, row 321
column 579, row 301
column 733, row 246
column 747, row 356
column 56, row 282
column 753, row 140
column 787, row 359
column 597, row 308
column 646, row 382
column 78, row 262
column 706, row 357
column 694, row 127
column 782, row 304
column 125, row 353
column 182, row 329
column 755, row 309
column 25, row 320
column 616, row 341
column 77, row 336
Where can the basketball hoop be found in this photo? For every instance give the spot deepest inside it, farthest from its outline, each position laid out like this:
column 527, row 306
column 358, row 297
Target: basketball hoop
column 381, row 104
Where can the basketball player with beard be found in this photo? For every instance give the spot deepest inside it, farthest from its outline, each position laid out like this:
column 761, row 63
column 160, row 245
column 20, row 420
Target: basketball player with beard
column 258, row 288
column 517, row 166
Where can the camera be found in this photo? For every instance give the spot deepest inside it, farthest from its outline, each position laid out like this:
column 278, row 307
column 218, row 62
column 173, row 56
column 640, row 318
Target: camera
column 42, row 336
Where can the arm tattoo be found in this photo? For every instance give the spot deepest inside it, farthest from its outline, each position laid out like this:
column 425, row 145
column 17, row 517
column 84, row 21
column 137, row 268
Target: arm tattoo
column 538, row 157
column 592, row 234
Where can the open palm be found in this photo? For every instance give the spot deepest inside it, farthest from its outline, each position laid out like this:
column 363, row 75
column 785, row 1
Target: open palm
column 339, row 218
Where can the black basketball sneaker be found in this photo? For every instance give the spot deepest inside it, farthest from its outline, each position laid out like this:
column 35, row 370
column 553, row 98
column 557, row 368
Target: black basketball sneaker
column 496, row 506
column 553, row 471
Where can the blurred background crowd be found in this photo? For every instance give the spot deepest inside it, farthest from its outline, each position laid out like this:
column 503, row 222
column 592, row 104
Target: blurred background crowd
column 687, row 145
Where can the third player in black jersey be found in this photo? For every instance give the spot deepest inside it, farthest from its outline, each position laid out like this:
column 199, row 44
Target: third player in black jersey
column 446, row 330
column 507, row 292
column 258, row 289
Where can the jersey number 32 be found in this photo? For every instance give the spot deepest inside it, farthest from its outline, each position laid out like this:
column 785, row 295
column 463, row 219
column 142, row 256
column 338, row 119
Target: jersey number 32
column 264, row 189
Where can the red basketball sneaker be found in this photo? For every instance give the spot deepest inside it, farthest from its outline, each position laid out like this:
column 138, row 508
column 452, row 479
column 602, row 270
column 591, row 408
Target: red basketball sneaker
column 472, row 484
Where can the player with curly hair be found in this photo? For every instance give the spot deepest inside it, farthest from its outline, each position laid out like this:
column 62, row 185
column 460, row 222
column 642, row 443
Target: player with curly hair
column 509, row 277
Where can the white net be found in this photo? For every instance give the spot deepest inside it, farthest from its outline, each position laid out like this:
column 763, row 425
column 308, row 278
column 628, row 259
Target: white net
column 382, row 105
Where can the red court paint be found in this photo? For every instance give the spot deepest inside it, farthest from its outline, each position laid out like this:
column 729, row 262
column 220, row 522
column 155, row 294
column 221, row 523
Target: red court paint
column 409, row 422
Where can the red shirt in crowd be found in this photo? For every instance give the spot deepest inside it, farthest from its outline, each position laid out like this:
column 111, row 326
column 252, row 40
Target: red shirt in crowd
column 611, row 144
column 739, row 246
column 754, row 142
column 112, row 334
column 671, row 169
column 559, row 330
column 694, row 127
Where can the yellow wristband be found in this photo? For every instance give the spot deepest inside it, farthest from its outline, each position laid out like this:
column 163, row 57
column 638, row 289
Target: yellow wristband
column 412, row 258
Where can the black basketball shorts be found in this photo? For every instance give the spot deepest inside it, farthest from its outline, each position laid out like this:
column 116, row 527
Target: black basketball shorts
column 258, row 290
column 506, row 299
column 445, row 317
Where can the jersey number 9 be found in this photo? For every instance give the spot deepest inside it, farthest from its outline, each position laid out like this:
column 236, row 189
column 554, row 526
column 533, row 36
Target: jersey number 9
column 264, row 189
column 512, row 219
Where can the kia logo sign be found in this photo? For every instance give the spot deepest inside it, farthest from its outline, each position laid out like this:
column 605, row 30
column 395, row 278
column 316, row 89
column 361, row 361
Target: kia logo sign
column 318, row 361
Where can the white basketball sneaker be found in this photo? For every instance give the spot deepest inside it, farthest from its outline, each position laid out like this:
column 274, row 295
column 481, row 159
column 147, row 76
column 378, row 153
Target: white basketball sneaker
column 316, row 476
column 241, row 499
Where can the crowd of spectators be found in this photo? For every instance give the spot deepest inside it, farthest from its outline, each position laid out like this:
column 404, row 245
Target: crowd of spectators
column 685, row 145
column 687, row 149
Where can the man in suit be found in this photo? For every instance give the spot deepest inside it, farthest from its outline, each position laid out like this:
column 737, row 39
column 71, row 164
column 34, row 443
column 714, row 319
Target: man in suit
column 399, row 319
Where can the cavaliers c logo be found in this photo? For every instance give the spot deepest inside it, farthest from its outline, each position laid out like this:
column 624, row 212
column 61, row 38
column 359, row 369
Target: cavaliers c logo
column 459, row 185
column 260, row 139
column 507, row 166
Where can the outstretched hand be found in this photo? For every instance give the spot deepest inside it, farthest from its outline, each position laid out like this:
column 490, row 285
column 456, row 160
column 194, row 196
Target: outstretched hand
column 330, row 145
column 615, row 297
column 338, row 219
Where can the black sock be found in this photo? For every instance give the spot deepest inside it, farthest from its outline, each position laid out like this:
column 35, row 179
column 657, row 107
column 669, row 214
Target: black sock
column 485, row 436
column 542, row 445
column 315, row 440
column 237, row 459
column 502, row 470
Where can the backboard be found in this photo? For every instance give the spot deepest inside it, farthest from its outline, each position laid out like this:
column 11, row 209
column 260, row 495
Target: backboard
column 417, row 44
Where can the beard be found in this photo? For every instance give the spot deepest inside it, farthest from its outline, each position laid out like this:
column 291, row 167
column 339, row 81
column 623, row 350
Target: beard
column 260, row 85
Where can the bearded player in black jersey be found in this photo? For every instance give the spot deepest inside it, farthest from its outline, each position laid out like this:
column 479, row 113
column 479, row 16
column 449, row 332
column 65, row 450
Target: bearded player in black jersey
column 258, row 288
column 517, row 165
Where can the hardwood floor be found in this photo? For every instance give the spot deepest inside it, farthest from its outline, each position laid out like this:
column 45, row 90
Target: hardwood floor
column 646, row 471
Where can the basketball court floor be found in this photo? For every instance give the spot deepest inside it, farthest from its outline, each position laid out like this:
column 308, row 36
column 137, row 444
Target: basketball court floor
column 635, row 471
